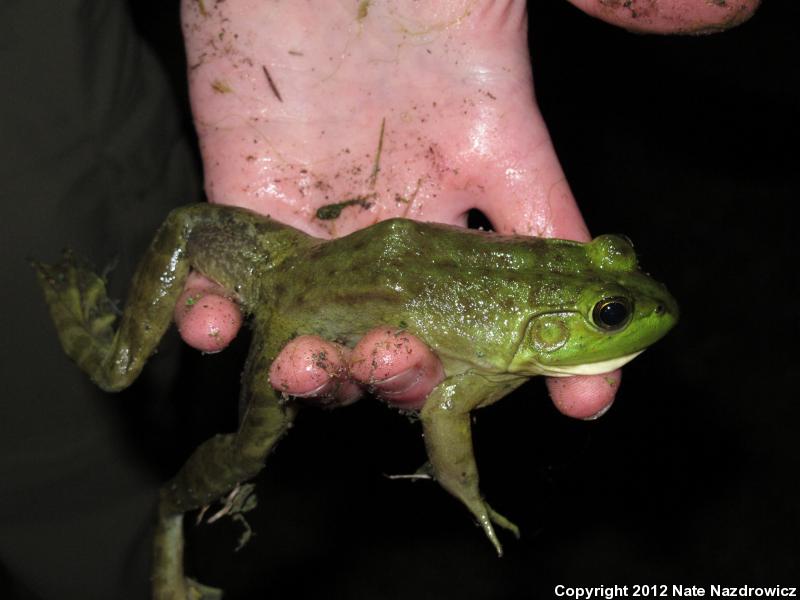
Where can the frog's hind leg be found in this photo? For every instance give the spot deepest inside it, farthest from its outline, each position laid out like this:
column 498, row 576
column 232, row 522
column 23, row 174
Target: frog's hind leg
column 235, row 247
column 84, row 316
column 215, row 468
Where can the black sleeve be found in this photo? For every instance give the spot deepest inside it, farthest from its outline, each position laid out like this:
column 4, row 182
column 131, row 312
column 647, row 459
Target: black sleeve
column 94, row 153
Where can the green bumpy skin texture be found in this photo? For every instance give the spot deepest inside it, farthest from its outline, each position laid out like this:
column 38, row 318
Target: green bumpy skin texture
column 495, row 309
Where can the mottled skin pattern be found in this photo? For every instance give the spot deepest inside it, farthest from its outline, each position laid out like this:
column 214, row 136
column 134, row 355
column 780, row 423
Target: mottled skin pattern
column 496, row 310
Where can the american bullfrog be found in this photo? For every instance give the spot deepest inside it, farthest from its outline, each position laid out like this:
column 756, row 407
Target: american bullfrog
column 495, row 309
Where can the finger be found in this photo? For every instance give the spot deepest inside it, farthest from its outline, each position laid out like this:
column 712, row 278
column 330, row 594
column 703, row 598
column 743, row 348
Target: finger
column 670, row 16
column 313, row 368
column 537, row 201
column 586, row 397
column 206, row 318
column 398, row 366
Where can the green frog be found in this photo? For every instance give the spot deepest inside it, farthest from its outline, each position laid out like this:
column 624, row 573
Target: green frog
column 495, row 309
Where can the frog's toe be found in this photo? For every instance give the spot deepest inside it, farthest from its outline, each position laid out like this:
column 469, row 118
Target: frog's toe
column 501, row 521
column 486, row 516
column 424, row 472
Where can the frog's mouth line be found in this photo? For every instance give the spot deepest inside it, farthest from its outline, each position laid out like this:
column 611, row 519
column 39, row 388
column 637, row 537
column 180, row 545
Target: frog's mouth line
column 596, row 368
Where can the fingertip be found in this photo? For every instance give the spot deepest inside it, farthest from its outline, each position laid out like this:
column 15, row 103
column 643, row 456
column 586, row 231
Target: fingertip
column 398, row 366
column 672, row 17
column 309, row 367
column 410, row 389
column 584, row 397
column 207, row 321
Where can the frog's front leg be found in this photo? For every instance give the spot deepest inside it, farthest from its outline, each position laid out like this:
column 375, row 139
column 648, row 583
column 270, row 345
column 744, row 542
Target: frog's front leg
column 215, row 468
column 446, row 424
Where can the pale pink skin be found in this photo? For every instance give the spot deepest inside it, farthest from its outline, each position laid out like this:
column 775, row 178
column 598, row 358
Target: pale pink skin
column 205, row 317
column 450, row 82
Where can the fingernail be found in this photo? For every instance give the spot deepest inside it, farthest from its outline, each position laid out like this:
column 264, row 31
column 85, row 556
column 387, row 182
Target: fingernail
column 317, row 391
column 599, row 413
column 400, row 383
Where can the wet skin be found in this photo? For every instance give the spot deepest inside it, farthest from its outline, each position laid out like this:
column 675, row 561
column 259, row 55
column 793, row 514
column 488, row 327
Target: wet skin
column 495, row 309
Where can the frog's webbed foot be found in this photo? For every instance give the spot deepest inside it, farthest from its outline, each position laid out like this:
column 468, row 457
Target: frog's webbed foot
column 80, row 308
column 448, row 439
column 485, row 514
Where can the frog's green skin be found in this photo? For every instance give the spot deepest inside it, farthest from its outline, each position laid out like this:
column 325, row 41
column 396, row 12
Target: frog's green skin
column 496, row 310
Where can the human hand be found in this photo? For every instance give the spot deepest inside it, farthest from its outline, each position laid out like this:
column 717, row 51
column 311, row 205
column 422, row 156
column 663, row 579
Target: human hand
column 381, row 111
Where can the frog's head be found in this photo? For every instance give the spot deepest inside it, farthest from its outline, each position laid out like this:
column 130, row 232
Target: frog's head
column 608, row 312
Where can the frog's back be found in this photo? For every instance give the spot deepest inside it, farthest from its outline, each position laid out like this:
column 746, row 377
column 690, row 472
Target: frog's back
column 433, row 248
column 467, row 293
column 450, row 247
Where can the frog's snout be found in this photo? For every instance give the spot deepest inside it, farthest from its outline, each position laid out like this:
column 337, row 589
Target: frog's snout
column 666, row 311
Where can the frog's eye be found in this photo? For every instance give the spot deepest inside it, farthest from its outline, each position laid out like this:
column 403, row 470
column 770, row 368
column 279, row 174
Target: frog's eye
column 611, row 314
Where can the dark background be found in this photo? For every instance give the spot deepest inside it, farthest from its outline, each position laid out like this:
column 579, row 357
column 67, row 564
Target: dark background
column 687, row 145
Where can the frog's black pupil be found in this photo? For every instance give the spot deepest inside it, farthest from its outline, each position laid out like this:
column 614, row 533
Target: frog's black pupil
column 611, row 313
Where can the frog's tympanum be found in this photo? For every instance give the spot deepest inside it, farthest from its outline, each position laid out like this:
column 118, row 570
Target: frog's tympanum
column 495, row 309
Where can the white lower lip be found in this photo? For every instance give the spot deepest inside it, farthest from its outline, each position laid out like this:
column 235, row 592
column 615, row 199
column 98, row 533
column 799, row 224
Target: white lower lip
column 596, row 368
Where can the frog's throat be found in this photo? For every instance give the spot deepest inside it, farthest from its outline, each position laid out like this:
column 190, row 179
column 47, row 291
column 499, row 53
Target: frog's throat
column 596, row 368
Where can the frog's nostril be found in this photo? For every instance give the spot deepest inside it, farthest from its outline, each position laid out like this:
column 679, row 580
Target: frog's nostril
column 659, row 310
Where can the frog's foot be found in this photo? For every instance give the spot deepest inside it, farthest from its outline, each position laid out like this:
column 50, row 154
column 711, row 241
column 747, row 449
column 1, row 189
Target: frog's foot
column 501, row 521
column 241, row 499
column 486, row 515
column 81, row 310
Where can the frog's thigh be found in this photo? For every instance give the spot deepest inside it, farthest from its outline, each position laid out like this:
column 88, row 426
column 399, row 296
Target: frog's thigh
column 214, row 468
